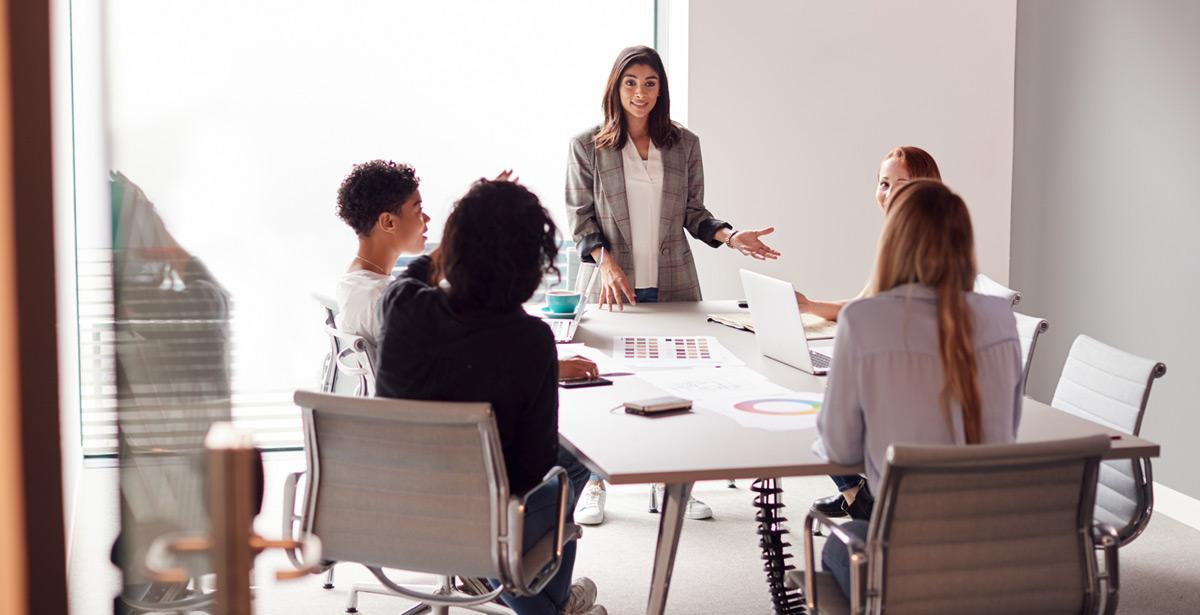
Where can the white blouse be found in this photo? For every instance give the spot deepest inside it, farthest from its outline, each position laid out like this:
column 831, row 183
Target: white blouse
column 643, row 191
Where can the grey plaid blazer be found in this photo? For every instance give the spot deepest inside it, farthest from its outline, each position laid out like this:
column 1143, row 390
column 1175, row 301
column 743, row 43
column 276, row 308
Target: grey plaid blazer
column 598, row 211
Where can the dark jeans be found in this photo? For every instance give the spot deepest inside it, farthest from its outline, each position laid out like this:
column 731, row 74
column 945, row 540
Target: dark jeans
column 845, row 482
column 578, row 473
column 835, row 557
column 646, row 295
column 540, row 518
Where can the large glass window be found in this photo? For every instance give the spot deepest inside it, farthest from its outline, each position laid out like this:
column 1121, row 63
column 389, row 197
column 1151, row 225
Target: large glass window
column 230, row 125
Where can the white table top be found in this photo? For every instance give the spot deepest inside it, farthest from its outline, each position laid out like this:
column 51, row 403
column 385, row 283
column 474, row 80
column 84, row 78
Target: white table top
column 696, row 446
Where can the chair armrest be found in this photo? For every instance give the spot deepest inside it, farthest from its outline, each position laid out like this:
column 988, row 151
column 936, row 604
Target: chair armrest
column 1109, row 541
column 858, row 562
column 521, row 585
column 289, row 515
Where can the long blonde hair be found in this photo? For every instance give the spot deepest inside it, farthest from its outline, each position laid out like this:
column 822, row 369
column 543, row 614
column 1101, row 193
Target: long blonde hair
column 928, row 240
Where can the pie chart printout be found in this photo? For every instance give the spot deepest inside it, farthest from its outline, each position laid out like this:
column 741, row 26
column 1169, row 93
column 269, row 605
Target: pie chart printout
column 779, row 406
column 785, row 411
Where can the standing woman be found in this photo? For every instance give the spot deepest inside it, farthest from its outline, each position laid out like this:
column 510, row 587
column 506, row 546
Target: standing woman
column 635, row 183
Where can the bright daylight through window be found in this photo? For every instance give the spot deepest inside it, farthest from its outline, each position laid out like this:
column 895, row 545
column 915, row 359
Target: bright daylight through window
column 230, row 126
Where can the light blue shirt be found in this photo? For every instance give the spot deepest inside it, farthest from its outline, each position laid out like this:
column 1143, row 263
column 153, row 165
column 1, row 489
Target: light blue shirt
column 886, row 378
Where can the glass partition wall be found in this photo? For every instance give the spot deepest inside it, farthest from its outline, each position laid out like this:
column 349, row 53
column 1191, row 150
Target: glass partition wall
column 209, row 140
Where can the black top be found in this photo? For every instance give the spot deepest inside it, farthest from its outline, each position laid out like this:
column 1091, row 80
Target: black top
column 429, row 352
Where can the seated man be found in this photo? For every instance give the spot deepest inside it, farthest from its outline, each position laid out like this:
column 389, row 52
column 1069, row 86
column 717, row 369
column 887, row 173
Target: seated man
column 471, row 340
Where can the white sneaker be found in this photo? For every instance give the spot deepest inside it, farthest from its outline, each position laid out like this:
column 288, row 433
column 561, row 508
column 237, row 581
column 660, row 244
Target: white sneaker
column 582, row 598
column 695, row 508
column 591, row 506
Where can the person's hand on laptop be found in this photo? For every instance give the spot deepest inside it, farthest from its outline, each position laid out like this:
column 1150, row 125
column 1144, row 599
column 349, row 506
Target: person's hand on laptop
column 577, row 368
column 802, row 302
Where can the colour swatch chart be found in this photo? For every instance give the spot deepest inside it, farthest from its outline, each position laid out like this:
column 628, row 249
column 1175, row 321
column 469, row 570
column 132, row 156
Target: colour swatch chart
column 669, row 351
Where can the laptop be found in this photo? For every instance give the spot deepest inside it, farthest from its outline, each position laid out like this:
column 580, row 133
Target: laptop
column 778, row 326
column 563, row 329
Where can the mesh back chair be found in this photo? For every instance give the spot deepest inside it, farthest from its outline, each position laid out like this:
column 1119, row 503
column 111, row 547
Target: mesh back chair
column 349, row 366
column 1028, row 329
column 1111, row 387
column 348, row 369
column 987, row 286
column 953, row 531
column 421, row 486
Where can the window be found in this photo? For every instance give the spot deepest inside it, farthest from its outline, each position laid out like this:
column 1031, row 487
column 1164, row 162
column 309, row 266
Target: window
column 237, row 121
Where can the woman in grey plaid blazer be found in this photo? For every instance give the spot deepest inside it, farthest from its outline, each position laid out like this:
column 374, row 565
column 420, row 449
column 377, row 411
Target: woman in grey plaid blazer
column 635, row 183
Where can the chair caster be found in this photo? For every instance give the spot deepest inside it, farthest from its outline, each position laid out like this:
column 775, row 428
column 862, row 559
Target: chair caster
column 327, row 586
column 351, row 610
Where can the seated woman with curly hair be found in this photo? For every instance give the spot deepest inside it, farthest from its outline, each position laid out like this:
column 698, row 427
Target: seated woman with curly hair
column 471, row 341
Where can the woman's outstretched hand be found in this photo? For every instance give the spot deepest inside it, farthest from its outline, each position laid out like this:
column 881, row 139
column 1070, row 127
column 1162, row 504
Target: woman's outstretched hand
column 750, row 244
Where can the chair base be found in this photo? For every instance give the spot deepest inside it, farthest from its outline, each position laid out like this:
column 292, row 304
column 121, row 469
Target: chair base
column 446, row 588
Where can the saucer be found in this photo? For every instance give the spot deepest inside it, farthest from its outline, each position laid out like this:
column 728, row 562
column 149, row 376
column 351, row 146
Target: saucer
column 552, row 314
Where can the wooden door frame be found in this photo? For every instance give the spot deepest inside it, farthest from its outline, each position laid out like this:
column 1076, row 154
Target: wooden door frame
column 32, row 221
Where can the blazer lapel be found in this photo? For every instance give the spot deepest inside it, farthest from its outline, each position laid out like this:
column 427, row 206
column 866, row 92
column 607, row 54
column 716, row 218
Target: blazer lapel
column 611, row 170
column 674, row 196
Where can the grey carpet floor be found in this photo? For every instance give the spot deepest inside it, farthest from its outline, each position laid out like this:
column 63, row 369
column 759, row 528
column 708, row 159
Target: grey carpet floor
column 718, row 568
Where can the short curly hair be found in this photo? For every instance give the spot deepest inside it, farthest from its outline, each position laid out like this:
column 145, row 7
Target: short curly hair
column 497, row 244
column 373, row 188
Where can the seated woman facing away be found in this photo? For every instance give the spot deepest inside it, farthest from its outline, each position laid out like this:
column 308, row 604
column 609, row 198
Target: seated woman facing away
column 471, row 340
column 924, row 360
column 900, row 166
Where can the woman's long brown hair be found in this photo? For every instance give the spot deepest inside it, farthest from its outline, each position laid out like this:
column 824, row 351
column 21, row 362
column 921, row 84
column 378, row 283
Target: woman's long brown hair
column 928, row 240
column 613, row 132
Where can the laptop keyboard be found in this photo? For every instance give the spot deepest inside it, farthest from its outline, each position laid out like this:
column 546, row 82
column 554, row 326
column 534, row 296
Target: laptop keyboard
column 561, row 329
column 819, row 360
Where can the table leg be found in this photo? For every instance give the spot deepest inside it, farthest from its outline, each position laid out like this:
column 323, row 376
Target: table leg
column 675, row 498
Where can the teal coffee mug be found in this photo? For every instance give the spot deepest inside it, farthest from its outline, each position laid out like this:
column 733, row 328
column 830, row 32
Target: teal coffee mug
column 562, row 301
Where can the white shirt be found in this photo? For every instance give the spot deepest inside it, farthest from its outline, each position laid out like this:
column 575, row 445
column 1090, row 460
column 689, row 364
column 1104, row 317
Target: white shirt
column 358, row 295
column 643, row 192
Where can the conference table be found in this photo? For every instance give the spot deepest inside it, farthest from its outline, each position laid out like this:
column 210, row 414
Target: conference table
column 683, row 448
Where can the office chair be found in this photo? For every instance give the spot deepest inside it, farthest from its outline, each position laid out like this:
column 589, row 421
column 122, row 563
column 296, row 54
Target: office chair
column 421, row 486
column 1111, row 387
column 1028, row 329
column 987, row 286
column 348, row 368
column 953, row 532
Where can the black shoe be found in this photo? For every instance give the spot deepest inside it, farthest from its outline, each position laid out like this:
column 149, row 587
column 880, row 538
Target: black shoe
column 863, row 504
column 832, row 506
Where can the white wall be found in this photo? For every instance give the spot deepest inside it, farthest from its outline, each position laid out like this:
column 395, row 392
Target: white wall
column 1105, row 212
column 795, row 104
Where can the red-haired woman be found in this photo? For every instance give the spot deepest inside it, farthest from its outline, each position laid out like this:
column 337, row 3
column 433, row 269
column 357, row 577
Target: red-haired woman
column 899, row 166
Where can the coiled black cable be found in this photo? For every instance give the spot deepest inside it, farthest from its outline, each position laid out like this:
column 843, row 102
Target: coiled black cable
column 771, row 533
